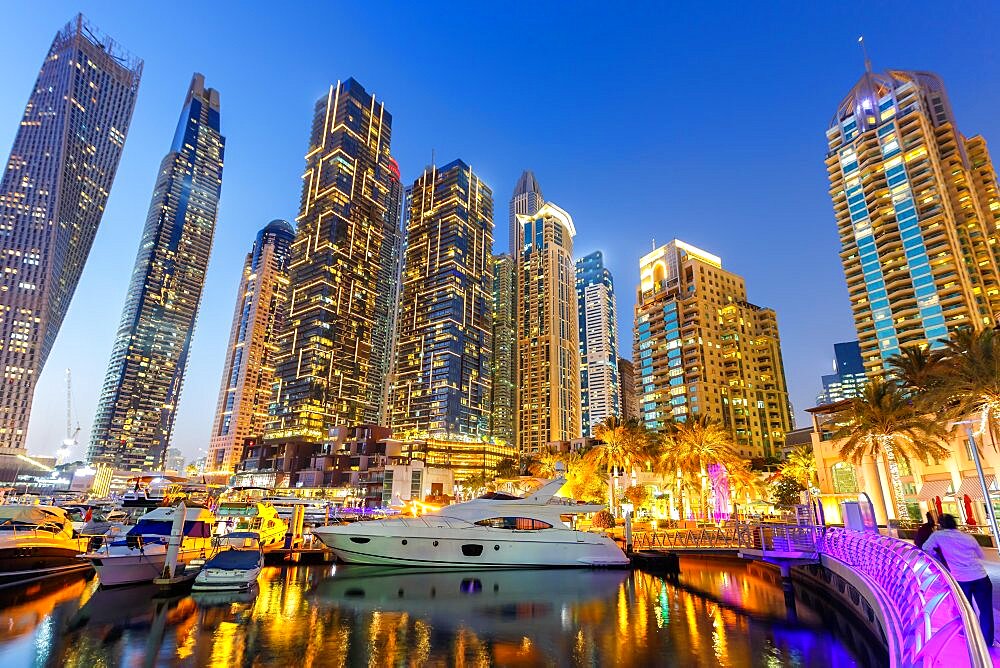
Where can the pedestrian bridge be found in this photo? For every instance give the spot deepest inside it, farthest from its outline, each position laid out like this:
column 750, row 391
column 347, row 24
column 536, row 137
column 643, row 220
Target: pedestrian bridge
column 925, row 618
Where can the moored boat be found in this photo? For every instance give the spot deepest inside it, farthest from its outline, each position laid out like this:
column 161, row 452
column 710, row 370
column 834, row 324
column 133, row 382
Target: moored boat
column 495, row 531
column 140, row 555
column 258, row 517
column 36, row 541
column 235, row 566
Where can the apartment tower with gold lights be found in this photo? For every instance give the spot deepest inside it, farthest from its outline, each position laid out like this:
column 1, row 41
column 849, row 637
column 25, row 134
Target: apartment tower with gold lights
column 700, row 348
column 333, row 351
column 917, row 212
column 548, row 336
column 442, row 376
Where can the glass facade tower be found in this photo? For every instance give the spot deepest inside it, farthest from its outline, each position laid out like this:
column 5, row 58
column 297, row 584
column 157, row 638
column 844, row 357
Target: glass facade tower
column 333, row 352
column 52, row 197
column 504, row 349
column 701, row 348
column 248, row 376
column 548, row 332
column 917, row 211
column 849, row 376
column 443, row 379
column 138, row 403
column 600, row 390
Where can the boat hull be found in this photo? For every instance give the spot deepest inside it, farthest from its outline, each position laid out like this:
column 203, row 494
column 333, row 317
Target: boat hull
column 212, row 579
column 134, row 566
column 484, row 548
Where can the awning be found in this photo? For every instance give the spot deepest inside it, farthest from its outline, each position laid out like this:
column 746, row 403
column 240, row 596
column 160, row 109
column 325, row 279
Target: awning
column 932, row 488
column 972, row 487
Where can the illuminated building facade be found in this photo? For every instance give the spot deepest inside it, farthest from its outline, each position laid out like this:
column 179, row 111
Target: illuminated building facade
column 548, row 344
column 701, row 348
column 917, row 211
column 600, row 390
column 626, row 378
column 391, row 268
column 248, row 376
column 466, row 457
column 138, row 403
column 442, row 379
column 526, row 201
column 849, row 376
column 504, row 397
column 333, row 350
column 52, row 197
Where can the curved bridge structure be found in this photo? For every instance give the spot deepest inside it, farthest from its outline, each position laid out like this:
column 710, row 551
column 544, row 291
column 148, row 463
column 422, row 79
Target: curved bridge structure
column 926, row 619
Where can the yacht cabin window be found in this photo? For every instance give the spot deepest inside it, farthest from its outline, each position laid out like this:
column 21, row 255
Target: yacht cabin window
column 515, row 523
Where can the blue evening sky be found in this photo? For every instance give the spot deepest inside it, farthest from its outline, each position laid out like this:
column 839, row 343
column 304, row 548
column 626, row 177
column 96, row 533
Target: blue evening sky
column 701, row 124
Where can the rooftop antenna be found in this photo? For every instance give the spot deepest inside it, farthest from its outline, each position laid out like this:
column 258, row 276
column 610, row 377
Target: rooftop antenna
column 868, row 62
column 654, row 243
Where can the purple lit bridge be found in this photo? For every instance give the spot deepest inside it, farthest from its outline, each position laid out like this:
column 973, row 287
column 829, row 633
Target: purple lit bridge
column 915, row 605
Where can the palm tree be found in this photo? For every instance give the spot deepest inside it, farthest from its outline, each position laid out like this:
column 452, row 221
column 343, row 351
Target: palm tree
column 970, row 378
column 623, row 445
column 746, row 483
column 800, row 466
column 691, row 447
column 544, row 464
column 883, row 420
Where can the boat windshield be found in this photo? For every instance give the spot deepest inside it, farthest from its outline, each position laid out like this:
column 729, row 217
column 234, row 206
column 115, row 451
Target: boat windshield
column 500, row 496
column 194, row 529
column 515, row 523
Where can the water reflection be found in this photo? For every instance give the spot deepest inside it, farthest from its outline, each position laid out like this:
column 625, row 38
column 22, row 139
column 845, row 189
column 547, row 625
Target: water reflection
column 718, row 614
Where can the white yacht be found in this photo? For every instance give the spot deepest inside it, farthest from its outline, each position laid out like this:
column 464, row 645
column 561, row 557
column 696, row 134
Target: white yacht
column 36, row 541
column 258, row 517
column 495, row 531
column 139, row 556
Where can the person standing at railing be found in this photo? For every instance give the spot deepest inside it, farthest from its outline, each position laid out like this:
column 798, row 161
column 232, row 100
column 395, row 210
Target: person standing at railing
column 964, row 557
column 924, row 531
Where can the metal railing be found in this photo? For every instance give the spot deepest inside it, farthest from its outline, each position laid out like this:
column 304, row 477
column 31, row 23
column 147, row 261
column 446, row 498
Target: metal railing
column 765, row 537
column 938, row 625
column 930, row 620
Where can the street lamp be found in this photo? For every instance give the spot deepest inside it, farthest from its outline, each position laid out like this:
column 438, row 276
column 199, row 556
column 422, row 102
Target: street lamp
column 967, row 424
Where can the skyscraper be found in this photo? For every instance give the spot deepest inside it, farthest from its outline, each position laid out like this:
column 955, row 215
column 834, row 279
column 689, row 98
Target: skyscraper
column 392, row 268
column 248, row 376
column 917, row 211
column 504, row 398
column 333, row 350
column 52, row 197
column 701, row 348
column 548, row 332
column 138, row 404
column 849, row 374
column 442, row 380
column 630, row 402
column 600, row 391
column 526, row 201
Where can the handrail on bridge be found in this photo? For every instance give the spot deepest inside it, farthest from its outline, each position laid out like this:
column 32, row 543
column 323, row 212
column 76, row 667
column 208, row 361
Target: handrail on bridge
column 936, row 623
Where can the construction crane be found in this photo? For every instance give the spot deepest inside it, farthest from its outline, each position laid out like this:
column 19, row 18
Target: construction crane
column 71, row 433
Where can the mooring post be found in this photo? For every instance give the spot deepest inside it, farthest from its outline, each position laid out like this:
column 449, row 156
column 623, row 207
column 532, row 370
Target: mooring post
column 628, row 533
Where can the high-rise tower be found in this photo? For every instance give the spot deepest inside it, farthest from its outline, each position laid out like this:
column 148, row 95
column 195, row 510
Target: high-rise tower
column 702, row 349
column 548, row 332
column 138, row 404
column 504, row 399
column 849, row 375
column 526, row 201
column 333, row 351
column 917, row 211
column 52, row 197
column 600, row 391
column 444, row 337
column 248, row 376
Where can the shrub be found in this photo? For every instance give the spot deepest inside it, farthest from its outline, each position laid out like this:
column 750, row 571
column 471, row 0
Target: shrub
column 603, row 519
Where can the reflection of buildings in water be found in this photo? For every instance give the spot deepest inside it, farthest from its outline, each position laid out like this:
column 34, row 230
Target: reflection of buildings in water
column 22, row 609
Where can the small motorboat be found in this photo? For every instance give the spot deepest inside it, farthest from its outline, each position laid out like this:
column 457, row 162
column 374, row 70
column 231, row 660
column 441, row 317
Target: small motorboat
column 257, row 517
column 140, row 555
column 236, row 566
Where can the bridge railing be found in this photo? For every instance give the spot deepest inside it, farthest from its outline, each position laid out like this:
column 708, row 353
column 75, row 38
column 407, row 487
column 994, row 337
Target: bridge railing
column 932, row 621
column 938, row 624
